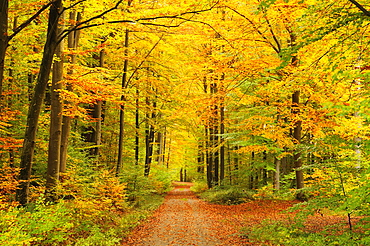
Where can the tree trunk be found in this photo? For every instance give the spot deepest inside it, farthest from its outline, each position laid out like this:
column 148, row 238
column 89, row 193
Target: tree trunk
column 236, row 166
column 209, row 164
column 137, row 126
column 52, row 175
column 73, row 39
column 214, row 135
column 122, row 109
column 97, row 115
column 37, row 101
column 297, row 133
column 222, row 129
column 222, row 142
column 201, row 159
column 161, row 146
column 4, row 5
column 277, row 174
column 149, row 140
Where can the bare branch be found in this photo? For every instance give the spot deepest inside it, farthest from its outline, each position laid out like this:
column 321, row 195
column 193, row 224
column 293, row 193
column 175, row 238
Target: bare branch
column 84, row 24
column 276, row 49
column 27, row 22
column 142, row 62
column 74, row 5
column 362, row 8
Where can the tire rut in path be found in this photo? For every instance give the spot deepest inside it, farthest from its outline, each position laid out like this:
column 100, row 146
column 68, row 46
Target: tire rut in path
column 181, row 220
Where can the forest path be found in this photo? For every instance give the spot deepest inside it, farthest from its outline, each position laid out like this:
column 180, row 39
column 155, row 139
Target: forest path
column 183, row 219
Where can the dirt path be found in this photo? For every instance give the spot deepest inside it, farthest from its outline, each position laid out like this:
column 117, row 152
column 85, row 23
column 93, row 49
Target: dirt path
column 183, row 219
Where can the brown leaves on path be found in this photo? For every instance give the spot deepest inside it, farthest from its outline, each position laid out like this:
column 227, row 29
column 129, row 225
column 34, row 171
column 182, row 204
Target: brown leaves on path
column 183, row 219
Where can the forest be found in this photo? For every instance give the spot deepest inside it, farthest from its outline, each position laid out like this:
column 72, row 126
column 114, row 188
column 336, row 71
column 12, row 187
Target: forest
column 104, row 104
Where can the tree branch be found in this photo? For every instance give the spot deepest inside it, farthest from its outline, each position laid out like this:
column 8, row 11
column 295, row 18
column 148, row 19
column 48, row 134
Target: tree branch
column 362, row 8
column 276, row 49
column 142, row 62
column 27, row 22
column 84, row 24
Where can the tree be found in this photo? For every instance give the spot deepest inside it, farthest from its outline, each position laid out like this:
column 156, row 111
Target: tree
column 4, row 5
column 73, row 39
column 56, row 118
column 5, row 38
column 37, row 100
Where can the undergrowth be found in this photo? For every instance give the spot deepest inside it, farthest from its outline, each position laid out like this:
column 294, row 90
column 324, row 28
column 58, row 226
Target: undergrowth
column 294, row 233
column 227, row 195
column 93, row 210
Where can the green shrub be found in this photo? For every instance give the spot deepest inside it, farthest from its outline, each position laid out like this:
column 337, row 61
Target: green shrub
column 227, row 195
column 41, row 224
column 199, row 186
column 99, row 238
column 284, row 233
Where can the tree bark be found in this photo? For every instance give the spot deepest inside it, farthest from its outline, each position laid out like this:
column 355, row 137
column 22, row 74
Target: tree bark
column 122, row 108
column 56, row 109
column 97, row 115
column 137, row 126
column 222, row 140
column 149, row 140
column 214, row 135
column 297, row 134
column 4, row 39
column 73, row 39
column 36, row 102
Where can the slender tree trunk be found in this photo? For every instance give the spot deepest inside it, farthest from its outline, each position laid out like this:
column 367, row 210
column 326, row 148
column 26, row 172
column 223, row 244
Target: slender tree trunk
column 4, row 8
column 236, row 166
column 214, row 135
column 222, row 129
column 97, row 115
column 36, row 103
column 222, row 142
column 56, row 109
column 277, row 174
column 161, row 147
column 209, row 164
column 208, row 143
column 168, row 154
column 137, row 126
column 297, row 133
column 73, row 39
column 149, row 140
column 201, row 159
column 122, row 110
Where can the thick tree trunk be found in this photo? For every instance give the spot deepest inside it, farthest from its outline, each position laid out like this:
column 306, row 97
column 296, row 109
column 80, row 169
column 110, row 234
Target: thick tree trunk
column 53, row 168
column 4, row 5
column 37, row 101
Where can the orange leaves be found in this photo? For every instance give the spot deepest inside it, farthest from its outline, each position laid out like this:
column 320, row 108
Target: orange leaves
column 8, row 186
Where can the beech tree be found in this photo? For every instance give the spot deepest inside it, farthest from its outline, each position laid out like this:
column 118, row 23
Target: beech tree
column 37, row 100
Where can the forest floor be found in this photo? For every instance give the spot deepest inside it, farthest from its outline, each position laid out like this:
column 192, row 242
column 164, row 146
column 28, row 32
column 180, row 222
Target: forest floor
column 183, row 219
